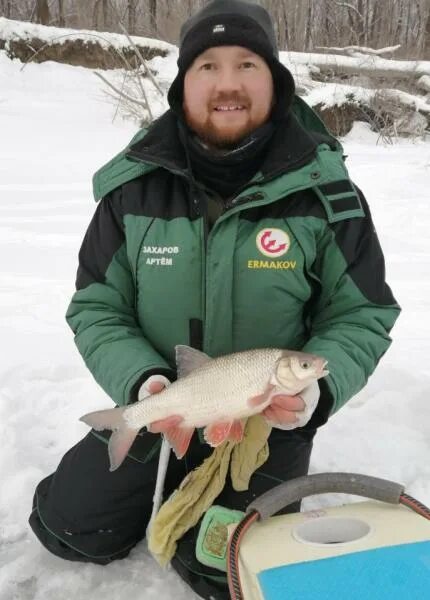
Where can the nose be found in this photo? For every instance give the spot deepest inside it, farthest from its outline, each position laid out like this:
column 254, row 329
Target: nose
column 227, row 80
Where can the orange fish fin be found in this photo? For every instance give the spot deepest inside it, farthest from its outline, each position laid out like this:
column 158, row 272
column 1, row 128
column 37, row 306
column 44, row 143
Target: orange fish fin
column 179, row 438
column 216, row 433
column 236, row 431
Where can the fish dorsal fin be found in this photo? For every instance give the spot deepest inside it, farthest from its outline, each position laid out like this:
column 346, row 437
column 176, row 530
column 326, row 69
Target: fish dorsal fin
column 188, row 359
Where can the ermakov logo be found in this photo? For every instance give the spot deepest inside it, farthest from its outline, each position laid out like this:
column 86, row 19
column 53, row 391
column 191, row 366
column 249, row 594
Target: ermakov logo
column 273, row 242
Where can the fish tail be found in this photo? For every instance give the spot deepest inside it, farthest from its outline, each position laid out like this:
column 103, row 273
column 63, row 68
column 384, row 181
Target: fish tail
column 122, row 436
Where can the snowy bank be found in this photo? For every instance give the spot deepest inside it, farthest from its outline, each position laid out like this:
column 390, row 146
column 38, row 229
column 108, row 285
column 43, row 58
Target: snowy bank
column 92, row 49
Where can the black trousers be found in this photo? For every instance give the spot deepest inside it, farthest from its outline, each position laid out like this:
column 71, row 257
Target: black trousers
column 83, row 512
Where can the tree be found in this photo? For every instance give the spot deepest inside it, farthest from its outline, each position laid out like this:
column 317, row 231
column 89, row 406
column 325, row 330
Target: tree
column 427, row 37
column 42, row 14
column 131, row 9
column 100, row 14
column 153, row 14
column 61, row 20
column 6, row 8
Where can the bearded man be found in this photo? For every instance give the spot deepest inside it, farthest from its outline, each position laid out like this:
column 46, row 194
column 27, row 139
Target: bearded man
column 230, row 224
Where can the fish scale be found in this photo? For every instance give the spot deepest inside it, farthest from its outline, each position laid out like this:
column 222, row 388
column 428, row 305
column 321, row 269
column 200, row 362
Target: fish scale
column 212, row 393
column 217, row 390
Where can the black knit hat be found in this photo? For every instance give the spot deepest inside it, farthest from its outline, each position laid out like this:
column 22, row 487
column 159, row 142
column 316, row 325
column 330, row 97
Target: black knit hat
column 231, row 23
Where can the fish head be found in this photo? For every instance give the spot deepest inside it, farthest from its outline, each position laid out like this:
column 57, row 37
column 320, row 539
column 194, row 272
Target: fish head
column 296, row 370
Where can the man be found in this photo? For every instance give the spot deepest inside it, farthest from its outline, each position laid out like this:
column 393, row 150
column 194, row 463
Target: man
column 230, row 224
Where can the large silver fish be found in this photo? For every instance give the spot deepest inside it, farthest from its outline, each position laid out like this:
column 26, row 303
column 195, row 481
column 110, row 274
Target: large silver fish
column 212, row 393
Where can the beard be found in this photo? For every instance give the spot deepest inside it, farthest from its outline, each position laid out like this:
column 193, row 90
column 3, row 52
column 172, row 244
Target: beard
column 221, row 137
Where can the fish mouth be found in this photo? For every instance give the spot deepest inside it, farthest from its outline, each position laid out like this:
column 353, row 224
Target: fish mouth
column 324, row 372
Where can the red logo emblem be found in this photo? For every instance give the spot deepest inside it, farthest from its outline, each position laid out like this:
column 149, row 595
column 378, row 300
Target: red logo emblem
column 273, row 242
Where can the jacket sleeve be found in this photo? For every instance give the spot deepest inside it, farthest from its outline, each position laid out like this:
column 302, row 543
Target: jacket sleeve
column 354, row 309
column 102, row 311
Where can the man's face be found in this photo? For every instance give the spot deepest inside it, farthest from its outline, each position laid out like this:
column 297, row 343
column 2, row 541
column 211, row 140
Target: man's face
column 228, row 92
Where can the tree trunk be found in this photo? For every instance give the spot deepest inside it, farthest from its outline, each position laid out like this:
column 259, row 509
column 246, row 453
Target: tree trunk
column 308, row 38
column 326, row 23
column 131, row 9
column 7, row 8
column 375, row 27
column 360, row 23
column 105, row 6
column 427, row 38
column 286, row 29
column 153, row 15
column 61, row 21
column 42, row 12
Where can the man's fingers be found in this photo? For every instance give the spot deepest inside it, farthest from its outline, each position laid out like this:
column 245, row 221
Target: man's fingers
column 294, row 403
column 163, row 424
column 274, row 414
column 155, row 387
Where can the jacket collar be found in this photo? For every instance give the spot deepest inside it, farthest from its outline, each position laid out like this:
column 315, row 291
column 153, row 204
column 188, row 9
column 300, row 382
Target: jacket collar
column 291, row 147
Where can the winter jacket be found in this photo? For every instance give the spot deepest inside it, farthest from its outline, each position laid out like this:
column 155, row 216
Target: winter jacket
column 293, row 262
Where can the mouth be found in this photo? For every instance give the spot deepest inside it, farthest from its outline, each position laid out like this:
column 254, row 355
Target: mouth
column 225, row 108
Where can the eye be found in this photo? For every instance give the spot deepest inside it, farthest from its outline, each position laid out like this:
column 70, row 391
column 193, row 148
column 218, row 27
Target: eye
column 248, row 64
column 304, row 364
column 206, row 66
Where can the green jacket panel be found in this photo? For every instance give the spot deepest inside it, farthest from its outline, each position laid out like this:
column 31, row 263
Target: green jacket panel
column 283, row 266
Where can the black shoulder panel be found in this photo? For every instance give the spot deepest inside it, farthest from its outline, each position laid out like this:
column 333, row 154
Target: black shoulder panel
column 102, row 240
column 358, row 241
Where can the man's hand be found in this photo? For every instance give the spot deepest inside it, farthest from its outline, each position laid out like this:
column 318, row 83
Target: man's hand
column 288, row 412
column 283, row 409
column 154, row 385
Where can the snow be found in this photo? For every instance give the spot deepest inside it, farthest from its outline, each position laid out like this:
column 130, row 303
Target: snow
column 20, row 30
column 57, row 129
column 337, row 94
column 419, row 67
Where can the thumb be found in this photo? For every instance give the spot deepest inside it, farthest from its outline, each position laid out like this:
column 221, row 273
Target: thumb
column 153, row 385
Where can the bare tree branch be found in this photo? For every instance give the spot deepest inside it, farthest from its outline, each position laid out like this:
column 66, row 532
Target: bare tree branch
column 121, row 93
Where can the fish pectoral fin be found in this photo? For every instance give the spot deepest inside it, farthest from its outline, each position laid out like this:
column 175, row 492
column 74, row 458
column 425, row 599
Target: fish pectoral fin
column 189, row 359
column 236, row 431
column 216, row 433
column 179, row 438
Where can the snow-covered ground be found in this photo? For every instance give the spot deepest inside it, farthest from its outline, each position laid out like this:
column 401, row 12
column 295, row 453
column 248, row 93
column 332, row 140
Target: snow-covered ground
column 56, row 129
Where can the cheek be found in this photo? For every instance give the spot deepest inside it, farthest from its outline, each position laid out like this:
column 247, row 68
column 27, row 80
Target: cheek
column 262, row 93
column 261, row 106
column 195, row 101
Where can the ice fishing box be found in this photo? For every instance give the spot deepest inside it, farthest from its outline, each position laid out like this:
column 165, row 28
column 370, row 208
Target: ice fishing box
column 368, row 550
column 372, row 550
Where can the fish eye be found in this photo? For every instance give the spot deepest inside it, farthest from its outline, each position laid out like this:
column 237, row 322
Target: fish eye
column 305, row 365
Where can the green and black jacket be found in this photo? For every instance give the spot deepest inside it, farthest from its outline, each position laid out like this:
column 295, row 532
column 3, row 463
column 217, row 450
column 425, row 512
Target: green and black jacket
column 151, row 275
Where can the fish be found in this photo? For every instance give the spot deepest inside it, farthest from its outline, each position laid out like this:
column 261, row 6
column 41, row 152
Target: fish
column 216, row 394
